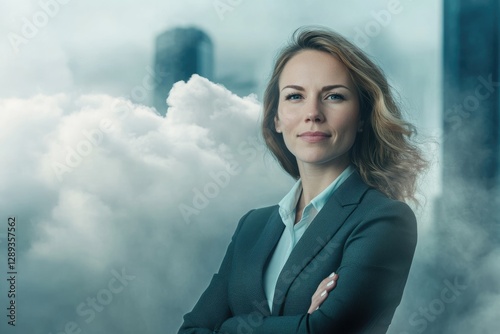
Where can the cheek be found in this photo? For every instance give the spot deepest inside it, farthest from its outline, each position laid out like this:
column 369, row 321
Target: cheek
column 286, row 119
column 347, row 123
column 347, row 130
column 351, row 118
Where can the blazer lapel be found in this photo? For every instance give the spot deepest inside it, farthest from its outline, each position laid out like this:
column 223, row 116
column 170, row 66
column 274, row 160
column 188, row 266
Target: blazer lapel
column 323, row 227
column 259, row 257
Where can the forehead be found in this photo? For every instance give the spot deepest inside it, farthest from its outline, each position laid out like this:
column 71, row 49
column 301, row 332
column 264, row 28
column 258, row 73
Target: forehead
column 315, row 67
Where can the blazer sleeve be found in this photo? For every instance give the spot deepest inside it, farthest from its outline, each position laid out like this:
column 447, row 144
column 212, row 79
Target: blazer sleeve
column 374, row 268
column 212, row 309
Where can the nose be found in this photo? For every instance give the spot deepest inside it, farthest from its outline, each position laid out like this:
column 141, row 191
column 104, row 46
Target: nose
column 314, row 113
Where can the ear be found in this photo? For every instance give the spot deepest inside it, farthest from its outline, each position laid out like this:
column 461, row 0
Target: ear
column 277, row 124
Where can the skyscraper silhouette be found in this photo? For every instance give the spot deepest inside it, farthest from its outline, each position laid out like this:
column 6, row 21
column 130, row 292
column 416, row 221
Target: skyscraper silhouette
column 180, row 53
column 468, row 213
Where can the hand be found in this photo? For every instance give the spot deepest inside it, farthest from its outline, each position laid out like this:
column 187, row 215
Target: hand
column 321, row 293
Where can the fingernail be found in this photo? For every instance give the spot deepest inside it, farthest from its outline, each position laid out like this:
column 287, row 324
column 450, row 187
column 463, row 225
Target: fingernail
column 323, row 293
column 330, row 283
column 332, row 274
column 317, row 308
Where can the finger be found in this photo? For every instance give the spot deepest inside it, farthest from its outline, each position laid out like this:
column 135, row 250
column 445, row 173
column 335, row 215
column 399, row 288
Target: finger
column 321, row 293
column 324, row 288
column 328, row 283
column 317, row 300
column 331, row 277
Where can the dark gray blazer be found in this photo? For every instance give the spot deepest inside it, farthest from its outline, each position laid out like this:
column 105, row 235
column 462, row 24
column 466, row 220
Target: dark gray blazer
column 365, row 237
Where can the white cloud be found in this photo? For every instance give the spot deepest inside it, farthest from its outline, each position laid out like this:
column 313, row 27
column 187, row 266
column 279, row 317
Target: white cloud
column 99, row 184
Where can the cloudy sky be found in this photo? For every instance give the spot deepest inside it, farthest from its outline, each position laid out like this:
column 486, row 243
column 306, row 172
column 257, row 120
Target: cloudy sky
column 123, row 215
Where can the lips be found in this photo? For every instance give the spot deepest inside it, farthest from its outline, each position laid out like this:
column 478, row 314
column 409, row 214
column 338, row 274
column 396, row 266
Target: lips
column 314, row 137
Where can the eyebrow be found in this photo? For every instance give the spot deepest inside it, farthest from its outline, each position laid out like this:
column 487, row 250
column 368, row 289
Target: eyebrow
column 324, row 89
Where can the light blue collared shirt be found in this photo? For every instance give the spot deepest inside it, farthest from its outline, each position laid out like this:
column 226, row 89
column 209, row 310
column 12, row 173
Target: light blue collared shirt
column 293, row 232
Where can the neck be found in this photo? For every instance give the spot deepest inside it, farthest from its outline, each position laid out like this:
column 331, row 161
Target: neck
column 315, row 179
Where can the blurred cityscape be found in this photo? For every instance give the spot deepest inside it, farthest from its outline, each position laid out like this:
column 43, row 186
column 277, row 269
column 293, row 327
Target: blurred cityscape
column 182, row 52
column 470, row 199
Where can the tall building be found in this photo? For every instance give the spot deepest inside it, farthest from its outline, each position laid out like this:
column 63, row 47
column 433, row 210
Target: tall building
column 180, row 53
column 468, row 213
column 471, row 96
column 471, row 117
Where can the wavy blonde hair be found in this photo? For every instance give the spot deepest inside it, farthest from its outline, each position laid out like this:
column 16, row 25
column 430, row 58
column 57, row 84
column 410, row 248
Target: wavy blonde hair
column 383, row 153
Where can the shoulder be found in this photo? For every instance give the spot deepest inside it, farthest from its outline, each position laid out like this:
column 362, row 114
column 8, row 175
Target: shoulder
column 386, row 225
column 376, row 203
column 263, row 212
column 256, row 219
column 375, row 214
column 380, row 232
column 370, row 202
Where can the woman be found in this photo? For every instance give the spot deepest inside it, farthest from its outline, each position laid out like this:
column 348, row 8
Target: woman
column 333, row 256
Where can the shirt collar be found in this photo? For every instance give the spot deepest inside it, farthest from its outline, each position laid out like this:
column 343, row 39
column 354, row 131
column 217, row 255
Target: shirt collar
column 288, row 204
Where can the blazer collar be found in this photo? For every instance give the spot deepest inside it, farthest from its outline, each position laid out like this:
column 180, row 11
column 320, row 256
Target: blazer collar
column 323, row 227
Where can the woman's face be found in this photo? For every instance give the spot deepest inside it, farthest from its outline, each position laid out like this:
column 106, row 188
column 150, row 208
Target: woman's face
column 318, row 109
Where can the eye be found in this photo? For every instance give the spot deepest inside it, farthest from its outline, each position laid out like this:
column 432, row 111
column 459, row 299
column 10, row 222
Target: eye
column 335, row 97
column 293, row 96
